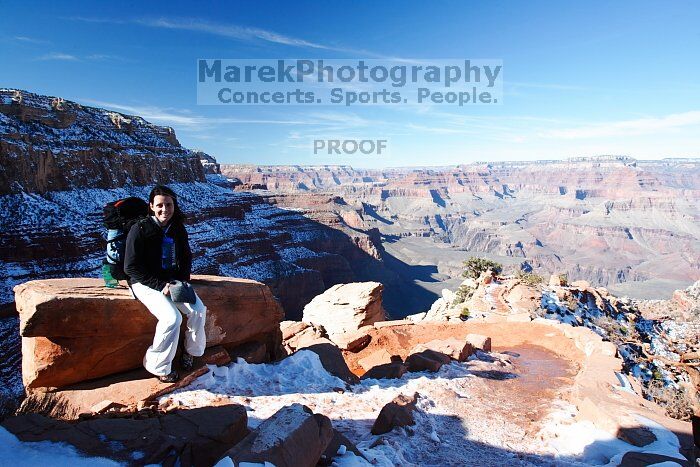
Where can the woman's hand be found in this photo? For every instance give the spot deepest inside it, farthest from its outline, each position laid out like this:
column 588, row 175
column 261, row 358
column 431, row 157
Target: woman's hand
column 166, row 289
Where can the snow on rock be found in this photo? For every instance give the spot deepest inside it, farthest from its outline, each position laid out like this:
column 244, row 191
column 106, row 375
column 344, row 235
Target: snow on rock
column 345, row 308
column 15, row 452
column 443, row 433
column 582, row 442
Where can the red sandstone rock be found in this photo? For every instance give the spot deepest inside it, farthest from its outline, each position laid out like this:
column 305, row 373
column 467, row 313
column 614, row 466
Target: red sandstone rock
column 378, row 357
column 292, row 328
column 354, row 341
column 346, row 307
column 393, row 370
column 216, row 356
column 251, row 352
column 297, row 335
column 76, row 329
column 523, row 299
column 427, row 360
column 103, row 406
column 479, row 342
column 396, row 322
column 398, row 412
column 189, row 437
column 332, row 360
column 457, row 349
column 293, row 437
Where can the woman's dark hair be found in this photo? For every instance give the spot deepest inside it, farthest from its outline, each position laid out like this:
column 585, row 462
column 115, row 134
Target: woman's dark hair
column 163, row 190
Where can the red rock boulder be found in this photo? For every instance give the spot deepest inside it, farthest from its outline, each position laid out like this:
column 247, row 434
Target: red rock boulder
column 76, row 329
column 293, row 437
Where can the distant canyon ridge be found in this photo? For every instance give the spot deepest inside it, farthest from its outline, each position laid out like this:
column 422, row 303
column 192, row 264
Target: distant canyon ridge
column 632, row 226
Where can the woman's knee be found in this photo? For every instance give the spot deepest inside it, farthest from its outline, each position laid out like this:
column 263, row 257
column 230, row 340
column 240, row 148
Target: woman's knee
column 171, row 318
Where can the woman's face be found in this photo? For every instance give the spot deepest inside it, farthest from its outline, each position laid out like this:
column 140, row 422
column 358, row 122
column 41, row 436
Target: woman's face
column 163, row 207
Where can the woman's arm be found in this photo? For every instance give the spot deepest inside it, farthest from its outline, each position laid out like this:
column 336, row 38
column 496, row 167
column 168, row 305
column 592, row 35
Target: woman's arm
column 135, row 265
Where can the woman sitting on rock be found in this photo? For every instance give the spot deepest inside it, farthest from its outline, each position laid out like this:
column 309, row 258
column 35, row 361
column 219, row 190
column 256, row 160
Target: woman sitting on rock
column 157, row 254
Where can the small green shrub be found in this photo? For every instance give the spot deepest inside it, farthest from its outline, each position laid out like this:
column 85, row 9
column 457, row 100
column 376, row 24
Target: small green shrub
column 529, row 278
column 462, row 294
column 474, row 267
column 572, row 303
column 564, row 279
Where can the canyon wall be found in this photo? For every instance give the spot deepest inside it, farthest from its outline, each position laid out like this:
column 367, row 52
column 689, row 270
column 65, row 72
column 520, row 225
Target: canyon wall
column 612, row 221
column 61, row 162
column 49, row 144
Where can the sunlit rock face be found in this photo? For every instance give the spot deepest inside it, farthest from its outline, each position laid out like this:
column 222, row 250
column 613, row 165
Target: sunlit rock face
column 48, row 144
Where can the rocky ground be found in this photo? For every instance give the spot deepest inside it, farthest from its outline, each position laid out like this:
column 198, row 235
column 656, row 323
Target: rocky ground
column 540, row 395
column 354, row 389
column 659, row 341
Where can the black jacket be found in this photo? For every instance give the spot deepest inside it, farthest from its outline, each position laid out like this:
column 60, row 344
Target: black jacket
column 142, row 258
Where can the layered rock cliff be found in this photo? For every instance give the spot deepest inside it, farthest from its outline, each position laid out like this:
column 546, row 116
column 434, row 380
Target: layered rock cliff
column 615, row 222
column 60, row 162
column 49, row 144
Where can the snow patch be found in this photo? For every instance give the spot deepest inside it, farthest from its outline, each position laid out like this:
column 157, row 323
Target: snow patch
column 15, row 452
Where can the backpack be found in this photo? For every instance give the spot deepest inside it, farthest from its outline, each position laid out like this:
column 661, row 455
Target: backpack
column 118, row 217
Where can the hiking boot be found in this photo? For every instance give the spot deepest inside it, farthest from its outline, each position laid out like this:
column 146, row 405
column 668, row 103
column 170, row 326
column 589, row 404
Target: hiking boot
column 170, row 378
column 186, row 361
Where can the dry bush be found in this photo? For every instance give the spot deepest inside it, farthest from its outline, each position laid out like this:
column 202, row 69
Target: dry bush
column 618, row 333
column 677, row 402
column 572, row 303
column 564, row 279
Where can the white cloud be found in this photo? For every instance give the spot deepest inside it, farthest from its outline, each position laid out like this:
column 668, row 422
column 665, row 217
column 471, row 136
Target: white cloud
column 558, row 87
column 58, row 56
column 231, row 31
column 104, row 57
column 437, row 129
column 30, row 40
column 640, row 126
column 185, row 118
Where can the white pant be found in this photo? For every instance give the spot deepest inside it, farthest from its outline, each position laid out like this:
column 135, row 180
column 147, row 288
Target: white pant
column 159, row 356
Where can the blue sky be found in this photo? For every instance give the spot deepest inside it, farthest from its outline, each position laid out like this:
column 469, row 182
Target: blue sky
column 579, row 79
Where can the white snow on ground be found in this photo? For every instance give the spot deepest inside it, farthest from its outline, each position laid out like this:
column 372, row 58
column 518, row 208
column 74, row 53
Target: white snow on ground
column 488, row 295
column 444, row 432
column 15, row 452
column 625, row 384
column 583, row 442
